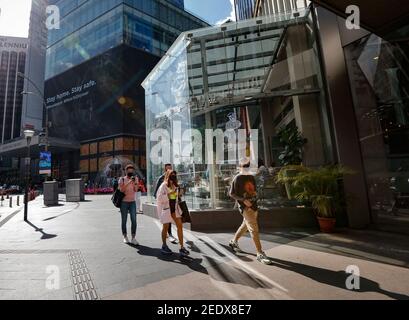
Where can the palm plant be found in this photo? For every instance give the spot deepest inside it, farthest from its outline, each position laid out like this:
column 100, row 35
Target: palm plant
column 319, row 187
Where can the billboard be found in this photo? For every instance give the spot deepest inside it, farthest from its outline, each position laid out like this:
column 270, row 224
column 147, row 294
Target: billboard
column 101, row 97
column 45, row 163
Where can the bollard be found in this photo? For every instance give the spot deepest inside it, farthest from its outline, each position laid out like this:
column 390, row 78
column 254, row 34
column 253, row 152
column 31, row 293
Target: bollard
column 11, row 202
column 7, row 196
column 18, row 201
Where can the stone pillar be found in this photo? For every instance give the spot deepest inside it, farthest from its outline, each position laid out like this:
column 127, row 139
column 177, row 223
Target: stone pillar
column 344, row 120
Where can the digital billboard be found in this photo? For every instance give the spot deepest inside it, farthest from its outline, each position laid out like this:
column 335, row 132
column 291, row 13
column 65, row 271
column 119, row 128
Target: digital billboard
column 100, row 98
column 45, row 163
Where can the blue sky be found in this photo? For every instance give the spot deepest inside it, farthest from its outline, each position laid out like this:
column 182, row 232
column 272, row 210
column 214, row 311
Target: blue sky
column 15, row 14
column 212, row 11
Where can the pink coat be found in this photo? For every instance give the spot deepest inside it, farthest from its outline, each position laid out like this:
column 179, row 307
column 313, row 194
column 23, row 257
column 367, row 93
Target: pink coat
column 163, row 210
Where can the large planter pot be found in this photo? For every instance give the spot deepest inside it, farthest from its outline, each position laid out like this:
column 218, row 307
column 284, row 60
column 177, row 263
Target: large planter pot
column 327, row 225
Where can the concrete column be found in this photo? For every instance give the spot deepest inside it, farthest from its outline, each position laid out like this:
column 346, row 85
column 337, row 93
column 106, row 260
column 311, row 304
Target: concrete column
column 343, row 117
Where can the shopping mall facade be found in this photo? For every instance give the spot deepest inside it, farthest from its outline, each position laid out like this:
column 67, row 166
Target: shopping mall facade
column 345, row 91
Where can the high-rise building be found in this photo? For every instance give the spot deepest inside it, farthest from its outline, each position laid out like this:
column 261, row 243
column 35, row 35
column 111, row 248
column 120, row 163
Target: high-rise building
column 244, row 9
column 95, row 64
column 13, row 53
column 267, row 7
column 33, row 103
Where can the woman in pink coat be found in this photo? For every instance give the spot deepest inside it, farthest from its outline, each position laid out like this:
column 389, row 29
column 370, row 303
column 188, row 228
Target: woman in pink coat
column 169, row 211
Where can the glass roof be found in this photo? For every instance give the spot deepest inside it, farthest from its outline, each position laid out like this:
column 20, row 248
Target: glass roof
column 220, row 65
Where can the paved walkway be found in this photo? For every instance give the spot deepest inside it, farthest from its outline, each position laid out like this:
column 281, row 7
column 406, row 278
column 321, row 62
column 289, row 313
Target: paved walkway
column 75, row 251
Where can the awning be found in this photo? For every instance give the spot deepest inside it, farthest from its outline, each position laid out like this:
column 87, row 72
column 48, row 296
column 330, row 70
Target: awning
column 18, row 147
column 379, row 16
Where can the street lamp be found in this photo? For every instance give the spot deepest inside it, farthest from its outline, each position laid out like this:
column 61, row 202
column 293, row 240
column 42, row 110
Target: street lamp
column 28, row 134
column 41, row 96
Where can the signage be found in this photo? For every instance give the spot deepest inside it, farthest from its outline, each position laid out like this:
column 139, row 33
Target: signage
column 74, row 93
column 233, row 123
column 13, row 43
column 45, row 163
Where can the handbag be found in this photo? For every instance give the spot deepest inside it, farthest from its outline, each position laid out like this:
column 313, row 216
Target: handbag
column 117, row 198
column 186, row 218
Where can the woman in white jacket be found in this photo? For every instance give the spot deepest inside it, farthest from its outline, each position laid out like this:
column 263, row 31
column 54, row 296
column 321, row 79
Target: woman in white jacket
column 169, row 210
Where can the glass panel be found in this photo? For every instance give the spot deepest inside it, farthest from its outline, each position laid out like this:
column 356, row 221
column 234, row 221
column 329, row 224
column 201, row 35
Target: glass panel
column 247, row 80
column 379, row 74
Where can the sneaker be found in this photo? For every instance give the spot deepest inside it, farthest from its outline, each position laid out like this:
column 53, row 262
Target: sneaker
column 262, row 257
column 173, row 240
column 126, row 239
column 134, row 242
column 183, row 252
column 235, row 246
column 166, row 250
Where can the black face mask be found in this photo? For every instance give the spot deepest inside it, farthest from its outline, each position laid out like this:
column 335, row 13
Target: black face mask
column 129, row 174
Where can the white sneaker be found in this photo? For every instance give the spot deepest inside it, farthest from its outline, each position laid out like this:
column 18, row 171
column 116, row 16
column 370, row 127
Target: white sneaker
column 126, row 239
column 262, row 257
column 134, row 242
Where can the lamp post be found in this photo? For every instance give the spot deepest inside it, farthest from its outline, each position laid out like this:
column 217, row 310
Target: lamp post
column 41, row 96
column 28, row 134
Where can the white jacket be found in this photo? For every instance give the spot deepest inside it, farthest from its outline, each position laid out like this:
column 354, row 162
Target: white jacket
column 162, row 201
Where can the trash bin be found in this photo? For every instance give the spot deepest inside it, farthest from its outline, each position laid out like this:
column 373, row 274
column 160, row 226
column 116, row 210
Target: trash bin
column 74, row 189
column 50, row 190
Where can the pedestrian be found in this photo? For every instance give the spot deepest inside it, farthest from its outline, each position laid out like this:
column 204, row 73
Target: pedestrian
column 129, row 186
column 115, row 183
column 244, row 191
column 168, row 197
column 168, row 166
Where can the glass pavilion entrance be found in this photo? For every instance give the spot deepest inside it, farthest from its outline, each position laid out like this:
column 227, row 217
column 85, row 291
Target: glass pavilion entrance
column 262, row 74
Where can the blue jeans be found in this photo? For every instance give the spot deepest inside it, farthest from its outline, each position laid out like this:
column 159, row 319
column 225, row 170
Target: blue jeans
column 131, row 208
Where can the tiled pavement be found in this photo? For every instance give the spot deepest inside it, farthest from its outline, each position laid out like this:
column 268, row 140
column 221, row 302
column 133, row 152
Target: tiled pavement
column 78, row 247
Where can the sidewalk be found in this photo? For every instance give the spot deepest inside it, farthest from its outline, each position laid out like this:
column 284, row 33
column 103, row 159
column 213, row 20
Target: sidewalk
column 79, row 247
column 6, row 213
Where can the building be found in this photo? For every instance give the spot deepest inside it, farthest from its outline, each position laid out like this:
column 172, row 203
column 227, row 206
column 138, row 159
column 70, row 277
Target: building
column 298, row 68
column 13, row 52
column 240, row 75
column 244, row 9
column 267, row 7
column 95, row 64
column 33, row 103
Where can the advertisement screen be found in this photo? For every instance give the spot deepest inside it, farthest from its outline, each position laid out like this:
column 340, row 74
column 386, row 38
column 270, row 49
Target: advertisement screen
column 45, row 163
column 101, row 97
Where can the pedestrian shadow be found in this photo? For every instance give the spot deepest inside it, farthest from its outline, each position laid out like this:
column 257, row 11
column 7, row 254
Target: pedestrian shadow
column 242, row 255
column 193, row 264
column 44, row 235
column 217, row 270
column 335, row 278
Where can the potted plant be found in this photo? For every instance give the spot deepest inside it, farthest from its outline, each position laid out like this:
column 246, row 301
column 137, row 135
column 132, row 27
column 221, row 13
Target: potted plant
column 320, row 189
column 286, row 177
column 290, row 157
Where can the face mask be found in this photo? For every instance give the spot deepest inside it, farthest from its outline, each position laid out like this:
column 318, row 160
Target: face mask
column 129, row 174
